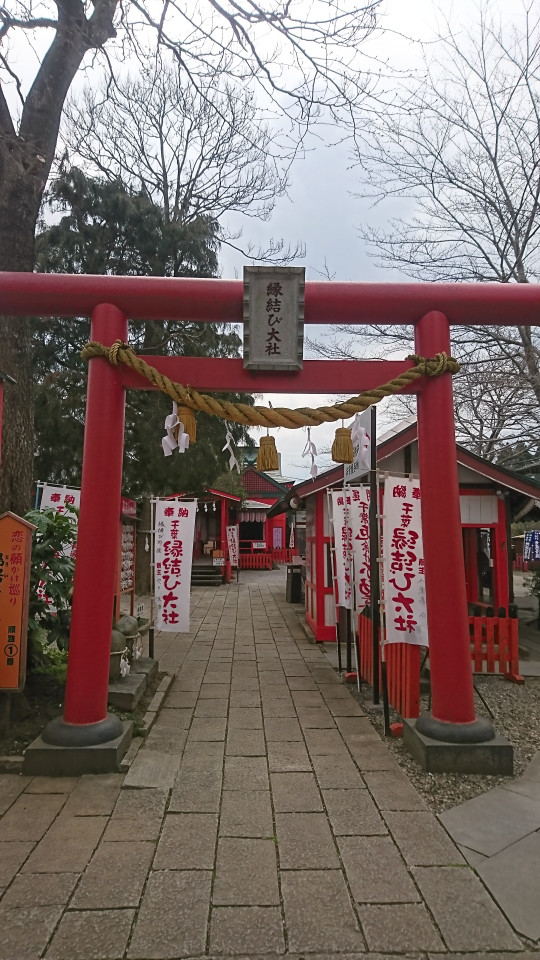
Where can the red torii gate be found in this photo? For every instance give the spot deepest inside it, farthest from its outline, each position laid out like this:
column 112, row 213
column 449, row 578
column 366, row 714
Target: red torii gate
column 431, row 308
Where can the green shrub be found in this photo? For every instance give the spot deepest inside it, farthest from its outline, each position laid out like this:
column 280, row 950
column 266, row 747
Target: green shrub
column 49, row 611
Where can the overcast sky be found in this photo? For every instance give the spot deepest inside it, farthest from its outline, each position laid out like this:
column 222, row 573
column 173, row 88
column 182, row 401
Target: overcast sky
column 322, row 212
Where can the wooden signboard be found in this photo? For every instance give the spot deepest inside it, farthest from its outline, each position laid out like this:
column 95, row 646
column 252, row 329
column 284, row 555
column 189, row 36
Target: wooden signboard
column 15, row 552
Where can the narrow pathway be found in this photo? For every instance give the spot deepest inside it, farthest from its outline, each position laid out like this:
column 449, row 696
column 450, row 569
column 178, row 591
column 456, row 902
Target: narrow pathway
column 263, row 816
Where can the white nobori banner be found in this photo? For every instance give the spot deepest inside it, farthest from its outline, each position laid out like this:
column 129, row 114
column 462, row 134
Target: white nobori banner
column 350, row 513
column 233, row 540
column 174, row 531
column 403, row 563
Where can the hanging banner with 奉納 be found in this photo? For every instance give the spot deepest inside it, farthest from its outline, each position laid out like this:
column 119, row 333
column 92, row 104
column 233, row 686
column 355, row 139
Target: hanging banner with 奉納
column 403, row 563
column 173, row 552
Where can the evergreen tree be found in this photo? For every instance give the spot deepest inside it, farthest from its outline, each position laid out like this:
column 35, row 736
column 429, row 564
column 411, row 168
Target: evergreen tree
column 107, row 228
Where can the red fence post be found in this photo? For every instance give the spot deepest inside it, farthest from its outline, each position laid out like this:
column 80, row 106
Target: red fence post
column 453, row 715
column 86, row 721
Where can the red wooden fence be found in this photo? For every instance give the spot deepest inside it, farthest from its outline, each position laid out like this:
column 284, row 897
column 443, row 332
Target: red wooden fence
column 283, row 555
column 402, row 670
column 494, row 646
column 494, row 649
column 255, row 561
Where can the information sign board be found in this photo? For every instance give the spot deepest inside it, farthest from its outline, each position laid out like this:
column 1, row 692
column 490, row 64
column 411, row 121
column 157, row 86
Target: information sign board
column 15, row 553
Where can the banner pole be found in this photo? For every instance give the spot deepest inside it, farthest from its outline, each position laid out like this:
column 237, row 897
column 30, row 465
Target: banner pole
column 374, row 555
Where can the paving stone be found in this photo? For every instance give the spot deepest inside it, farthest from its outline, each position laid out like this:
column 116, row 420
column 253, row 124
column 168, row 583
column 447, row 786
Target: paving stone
column 282, row 707
column 305, row 842
column 11, row 786
column 452, row 892
column 335, row 691
column 245, row 718
column 308, row 698
column 399, row 927
column 328, row 743
column 91, row 935
column 375, row 871
column 352, row 812
column 47, row 785
column 30, row 816
column 371, row 755
column 246, row 930
column 245, row 773
column 173, row 917
column 13, row 853
column 511, row 876
column 214, row 691
column 137, row 813
column 26, row 930
column 492, row 821
column 245, row 698
column 318, row 912
column 39, row 890
column 287, row 756
column 115, row 876
column 187, row 842
column 67, row 847
column 196, row 791
column 344, row 707
column 295, row 793
column 154, row 768
column 246, row 873
column 282, row 728
column 338, row 773
column 173, row 720
column 212, row 708
column 94, row 796
column 315, row 718
column 181, row 699
column 246, row 814
column 197, row 757
column 302, row 683
column 393, row 791
column 422, row 840
column 246, row 743
column 203, row 729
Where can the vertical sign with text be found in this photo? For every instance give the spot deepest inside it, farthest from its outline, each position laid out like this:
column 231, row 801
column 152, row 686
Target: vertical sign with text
column 174, row 532
column 403, row 563
column 233, row 541
column 15, row 553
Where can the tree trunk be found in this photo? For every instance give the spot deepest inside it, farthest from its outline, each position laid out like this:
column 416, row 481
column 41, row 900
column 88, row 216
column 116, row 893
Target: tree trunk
column 19, row 207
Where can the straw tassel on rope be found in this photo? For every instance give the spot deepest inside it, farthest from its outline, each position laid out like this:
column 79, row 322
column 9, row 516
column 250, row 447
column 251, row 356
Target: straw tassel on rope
column 187, row 417
column 267, row 456
column 342, row 447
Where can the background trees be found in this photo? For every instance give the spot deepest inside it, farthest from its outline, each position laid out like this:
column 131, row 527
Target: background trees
column 304, row 62
column 107, row 228
column 461, row 147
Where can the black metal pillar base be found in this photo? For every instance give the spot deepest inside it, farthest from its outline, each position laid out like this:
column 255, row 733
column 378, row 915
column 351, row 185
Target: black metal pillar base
column 59, row 733
column 480, row 731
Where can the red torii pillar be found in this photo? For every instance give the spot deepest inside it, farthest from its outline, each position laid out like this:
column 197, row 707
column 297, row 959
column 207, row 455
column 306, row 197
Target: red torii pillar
column 86, row 721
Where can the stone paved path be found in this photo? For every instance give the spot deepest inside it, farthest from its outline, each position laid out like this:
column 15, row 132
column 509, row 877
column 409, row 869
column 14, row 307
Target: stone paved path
column 263, row 816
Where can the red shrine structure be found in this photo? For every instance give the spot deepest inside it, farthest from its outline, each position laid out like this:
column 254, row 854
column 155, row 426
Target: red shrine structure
column 431, row 308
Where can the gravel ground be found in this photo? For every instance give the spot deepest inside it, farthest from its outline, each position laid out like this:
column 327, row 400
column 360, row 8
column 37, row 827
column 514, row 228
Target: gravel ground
column 515, row 711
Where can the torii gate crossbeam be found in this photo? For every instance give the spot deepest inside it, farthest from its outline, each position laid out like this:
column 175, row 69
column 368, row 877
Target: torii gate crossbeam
column 431, row 308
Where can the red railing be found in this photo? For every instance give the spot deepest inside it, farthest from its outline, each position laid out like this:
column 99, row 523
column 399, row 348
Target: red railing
column 495, row 647
column 402, row 669
column 283, row 554
column 520, row 564
column 255, row 561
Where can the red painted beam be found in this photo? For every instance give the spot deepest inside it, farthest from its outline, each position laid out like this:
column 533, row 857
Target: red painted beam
column 165, row 298
column 215, row 374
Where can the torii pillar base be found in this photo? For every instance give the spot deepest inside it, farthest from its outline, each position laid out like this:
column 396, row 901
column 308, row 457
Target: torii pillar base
column 43, row 759
column 492, row 757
